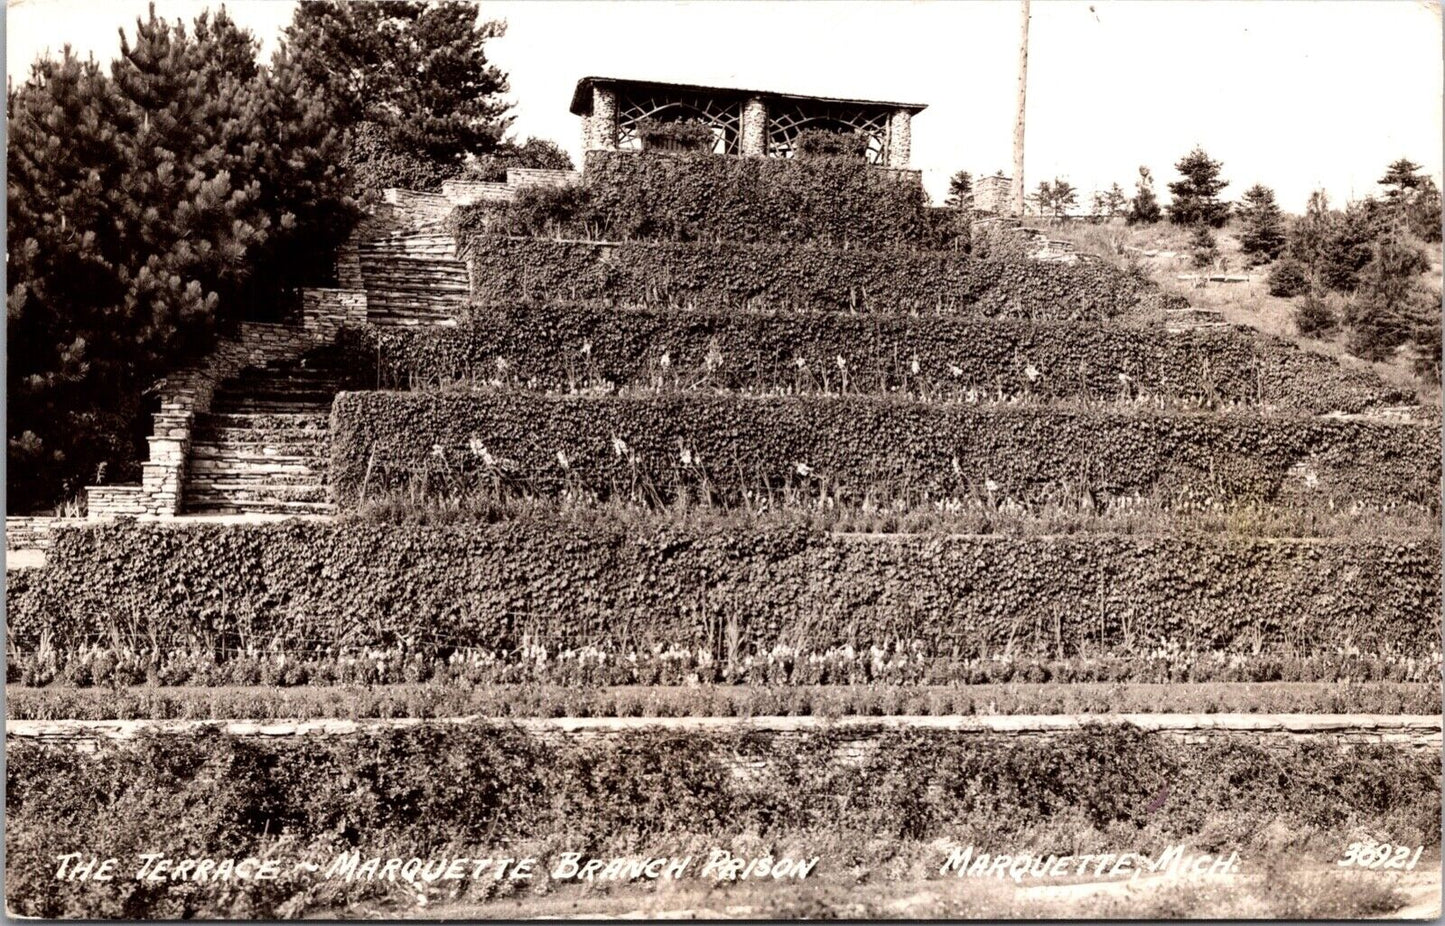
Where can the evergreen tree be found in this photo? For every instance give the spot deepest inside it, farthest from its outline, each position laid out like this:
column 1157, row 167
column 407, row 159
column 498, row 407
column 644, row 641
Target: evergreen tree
column 64, row 161
column 1350, row 246
column 1414, row 197
column 1195, row 197
column 1144, row 209
column 1111, row 202
column 960, row 190
column 1401, row 179
column 1391, row 306
column 413, row 78
column 1309, row 238
column 1423, row 212
column 147, row 211
column 1263, row 235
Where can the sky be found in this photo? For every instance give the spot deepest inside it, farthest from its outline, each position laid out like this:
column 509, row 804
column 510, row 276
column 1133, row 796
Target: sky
column 1295, row 95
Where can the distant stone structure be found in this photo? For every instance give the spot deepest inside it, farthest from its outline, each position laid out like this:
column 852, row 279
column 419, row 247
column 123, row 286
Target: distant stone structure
column 993, row 195
column 751, row 123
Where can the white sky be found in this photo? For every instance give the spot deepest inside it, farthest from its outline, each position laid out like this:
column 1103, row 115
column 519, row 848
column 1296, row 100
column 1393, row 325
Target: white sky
column 1294, row 95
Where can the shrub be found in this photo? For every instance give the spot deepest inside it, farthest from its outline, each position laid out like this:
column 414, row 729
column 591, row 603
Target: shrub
column 504, row 270
column 675, row 135
column 1314, row 317
column 721, row 588
column 866, row 443
column 1203, row 247
column 931, row 356
column 711, row 197
column 824, row 143
column 424, row 792
column 1287, row 278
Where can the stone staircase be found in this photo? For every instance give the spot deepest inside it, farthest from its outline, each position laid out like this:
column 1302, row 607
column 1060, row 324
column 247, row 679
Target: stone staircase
column 407, row 262
column 263, row 447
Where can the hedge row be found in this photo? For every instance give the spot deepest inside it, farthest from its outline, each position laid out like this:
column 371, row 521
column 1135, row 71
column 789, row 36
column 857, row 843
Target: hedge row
column 676, row 442
column 493, row 792
column 542, row 346
column 708, row 197
column 558, row 583
column 505, row 269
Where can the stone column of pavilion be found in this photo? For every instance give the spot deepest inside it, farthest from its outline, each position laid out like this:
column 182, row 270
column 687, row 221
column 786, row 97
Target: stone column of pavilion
column 754, row 137
column 900, row 138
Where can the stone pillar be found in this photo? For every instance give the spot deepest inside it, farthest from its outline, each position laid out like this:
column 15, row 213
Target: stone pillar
column 754, row 140
column 900, row 138
column 601, row 127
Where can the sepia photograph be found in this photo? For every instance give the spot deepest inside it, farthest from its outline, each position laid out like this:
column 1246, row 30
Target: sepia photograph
column 723, row 459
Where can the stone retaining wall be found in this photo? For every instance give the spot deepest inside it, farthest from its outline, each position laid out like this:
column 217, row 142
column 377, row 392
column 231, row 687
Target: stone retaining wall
column 1407, row 731
column 31, row 533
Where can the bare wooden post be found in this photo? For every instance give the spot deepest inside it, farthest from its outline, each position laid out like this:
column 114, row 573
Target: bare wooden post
column 1018, row 184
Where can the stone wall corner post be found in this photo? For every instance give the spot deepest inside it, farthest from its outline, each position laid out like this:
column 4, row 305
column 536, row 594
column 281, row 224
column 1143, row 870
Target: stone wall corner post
column 900, row 138
column 754, row 141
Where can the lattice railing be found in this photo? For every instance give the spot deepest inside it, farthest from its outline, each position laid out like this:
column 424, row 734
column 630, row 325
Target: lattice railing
column 724, row 117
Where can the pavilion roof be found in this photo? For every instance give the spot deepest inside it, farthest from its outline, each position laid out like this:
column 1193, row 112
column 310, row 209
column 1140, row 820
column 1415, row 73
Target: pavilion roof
column 582, row 96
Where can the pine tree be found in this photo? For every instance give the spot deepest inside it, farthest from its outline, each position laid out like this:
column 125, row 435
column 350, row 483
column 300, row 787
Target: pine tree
column 960, row 190
column 412, row 79
column 1402, row 179
column 1391, row 306
column 1195, row 197
column 1144, row 208
column 1423, row 212
column 299, row 162
column 1112, row 201
column 1263, row 235
column 1350, row 246
column 148, row 210
column 1309, row 238
column 64, row 161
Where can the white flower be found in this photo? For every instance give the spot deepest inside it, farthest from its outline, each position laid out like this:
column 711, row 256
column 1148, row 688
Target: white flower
column 803, row 469
column 990, row 485
column 686, row 456
column 502, row 365
column 1125, row 378
column 587, row 348
column 666, row 361
column 913, row 366
column 955, row 369
column 436, row 450
column 562, row 460
column 842, row 364
column 1032, row 372
column 799, row 362
column 957, row 470
column 619, row 447
column 971, row 397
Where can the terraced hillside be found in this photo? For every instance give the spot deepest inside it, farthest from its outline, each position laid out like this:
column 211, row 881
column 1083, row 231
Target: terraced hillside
column 789, row 545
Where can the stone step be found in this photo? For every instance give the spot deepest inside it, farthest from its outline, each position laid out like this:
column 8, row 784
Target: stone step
column 210, row 448
column 238, row 493
column 312, row 420
column 269, row 407
column 255, row 465
column 226, row 505
column 303, row 487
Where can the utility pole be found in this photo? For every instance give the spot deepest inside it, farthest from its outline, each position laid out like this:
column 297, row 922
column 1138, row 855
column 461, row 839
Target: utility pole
column 1018, row 185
